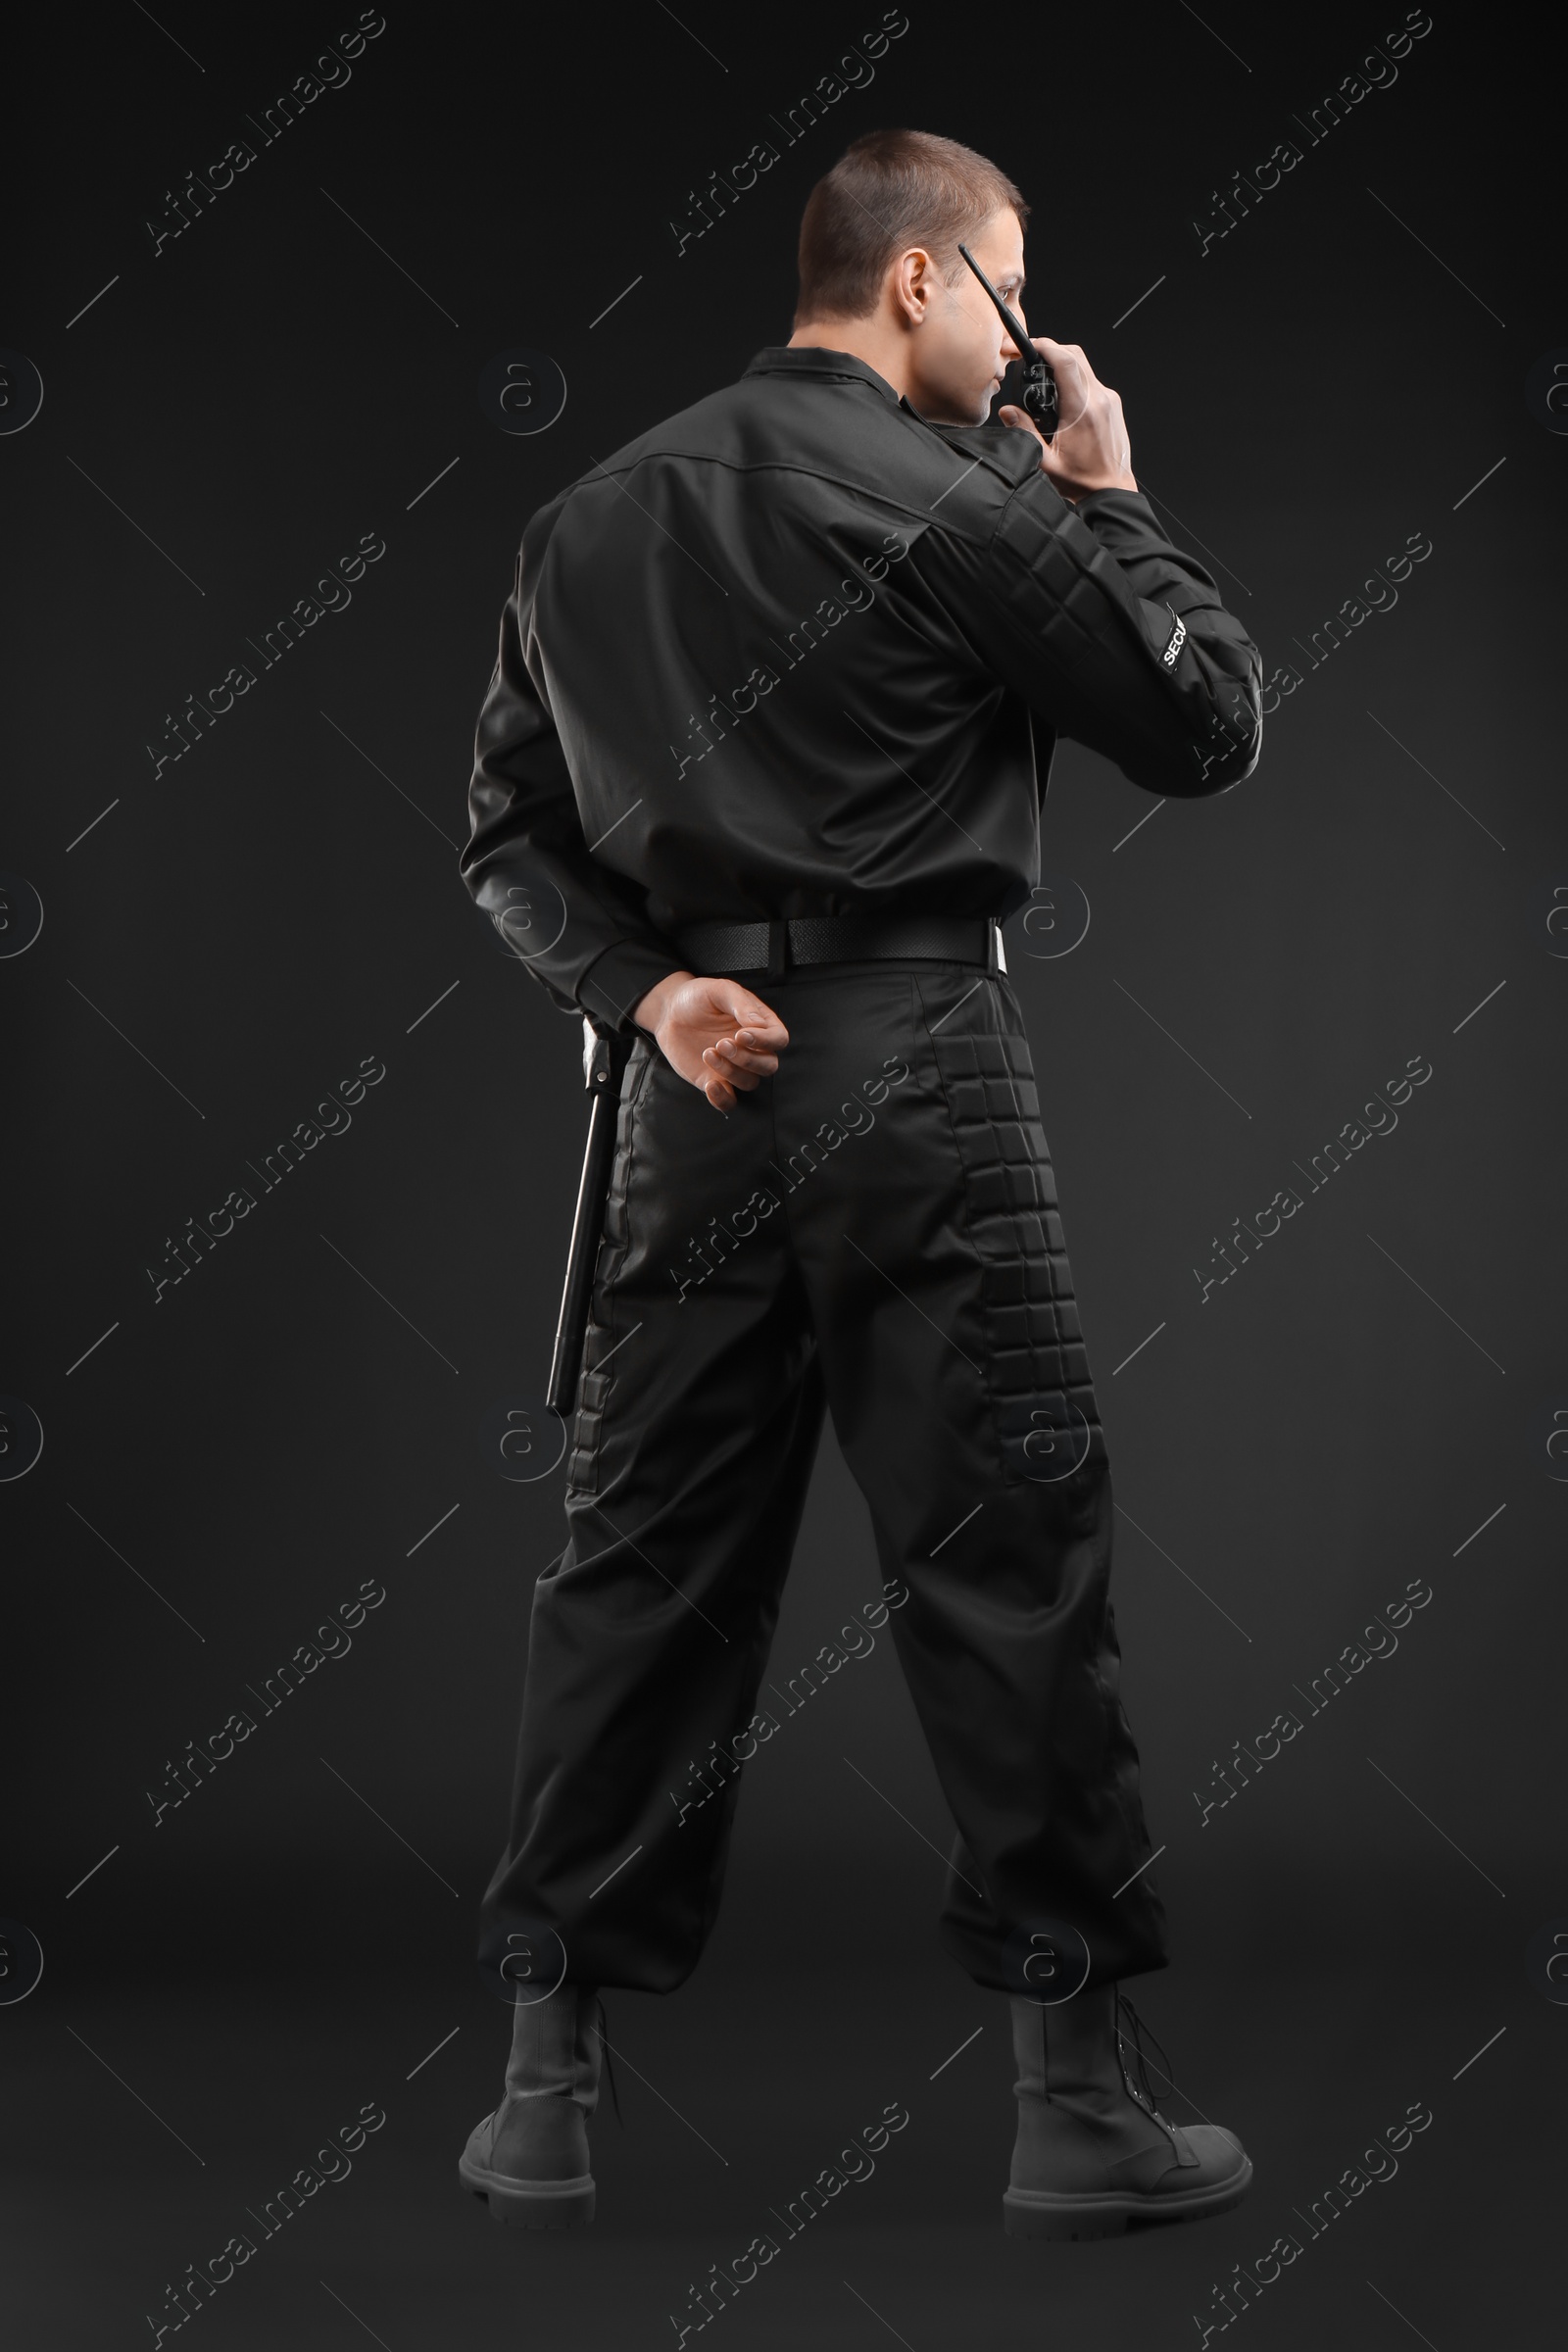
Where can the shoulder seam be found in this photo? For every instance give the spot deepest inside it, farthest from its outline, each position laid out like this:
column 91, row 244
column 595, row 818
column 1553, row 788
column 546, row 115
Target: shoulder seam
column 888, row 498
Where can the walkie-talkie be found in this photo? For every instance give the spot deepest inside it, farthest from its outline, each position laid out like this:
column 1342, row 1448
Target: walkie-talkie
column 1039, row 385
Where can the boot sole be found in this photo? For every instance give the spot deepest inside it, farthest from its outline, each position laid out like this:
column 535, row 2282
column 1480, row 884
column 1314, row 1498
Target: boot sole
column 530, row 2204
column 1048, row 2214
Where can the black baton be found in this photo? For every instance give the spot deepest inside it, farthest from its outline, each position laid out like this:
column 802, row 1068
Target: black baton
column 605, row 1066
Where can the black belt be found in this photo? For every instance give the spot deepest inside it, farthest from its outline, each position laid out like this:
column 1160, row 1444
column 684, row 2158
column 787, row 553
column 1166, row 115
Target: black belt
column 772, row 948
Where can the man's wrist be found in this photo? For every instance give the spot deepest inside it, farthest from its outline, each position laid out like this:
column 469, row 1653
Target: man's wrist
column 650, row 1010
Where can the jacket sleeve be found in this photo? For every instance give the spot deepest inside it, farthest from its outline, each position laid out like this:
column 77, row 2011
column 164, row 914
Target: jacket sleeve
column 579, row 927
column 1120, row 640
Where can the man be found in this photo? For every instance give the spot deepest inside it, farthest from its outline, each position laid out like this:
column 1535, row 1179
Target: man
column 760, row 769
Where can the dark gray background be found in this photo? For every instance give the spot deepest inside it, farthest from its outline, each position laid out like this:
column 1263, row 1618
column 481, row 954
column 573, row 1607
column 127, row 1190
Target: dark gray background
column 239, row 930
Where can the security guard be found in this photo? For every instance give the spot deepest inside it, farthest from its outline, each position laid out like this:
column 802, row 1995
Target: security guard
column 759, row 773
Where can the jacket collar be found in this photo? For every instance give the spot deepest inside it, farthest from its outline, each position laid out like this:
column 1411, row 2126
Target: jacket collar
column 833, row 366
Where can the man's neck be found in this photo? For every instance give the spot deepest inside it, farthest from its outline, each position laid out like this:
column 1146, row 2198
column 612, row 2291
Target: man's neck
column 863, row 339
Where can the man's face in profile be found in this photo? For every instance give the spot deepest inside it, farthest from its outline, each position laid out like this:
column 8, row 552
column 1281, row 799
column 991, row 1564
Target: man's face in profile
column 959, row 350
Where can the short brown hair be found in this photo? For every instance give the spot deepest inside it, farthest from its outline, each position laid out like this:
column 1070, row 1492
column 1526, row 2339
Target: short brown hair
column 888, row 190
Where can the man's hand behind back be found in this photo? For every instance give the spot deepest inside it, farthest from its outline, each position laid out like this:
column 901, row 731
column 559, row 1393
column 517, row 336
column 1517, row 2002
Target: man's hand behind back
column 713, row 1033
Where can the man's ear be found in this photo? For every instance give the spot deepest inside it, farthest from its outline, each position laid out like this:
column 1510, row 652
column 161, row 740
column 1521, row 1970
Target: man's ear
column 913, row 272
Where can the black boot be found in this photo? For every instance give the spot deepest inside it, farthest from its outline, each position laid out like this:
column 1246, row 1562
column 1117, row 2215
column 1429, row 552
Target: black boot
column 1093, row 2154
column 529, row 2160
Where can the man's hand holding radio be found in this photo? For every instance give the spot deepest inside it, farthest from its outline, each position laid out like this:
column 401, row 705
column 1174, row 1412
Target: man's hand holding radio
column 713, row 1033
column 1090, row 449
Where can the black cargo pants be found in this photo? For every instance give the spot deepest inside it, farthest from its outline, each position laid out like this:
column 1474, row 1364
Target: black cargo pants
column 873, row 1231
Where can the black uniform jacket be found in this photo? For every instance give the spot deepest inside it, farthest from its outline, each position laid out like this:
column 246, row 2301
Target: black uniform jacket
column 797, row 652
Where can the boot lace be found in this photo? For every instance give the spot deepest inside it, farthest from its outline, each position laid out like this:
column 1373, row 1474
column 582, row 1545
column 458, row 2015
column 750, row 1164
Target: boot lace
column 1139, row 2034
column 603, row 2031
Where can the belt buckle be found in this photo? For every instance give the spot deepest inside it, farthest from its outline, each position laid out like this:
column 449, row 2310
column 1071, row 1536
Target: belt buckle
column 778, row 950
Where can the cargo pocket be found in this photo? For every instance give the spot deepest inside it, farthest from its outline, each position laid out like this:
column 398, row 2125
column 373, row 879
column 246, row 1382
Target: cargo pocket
column 1036, row 1366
